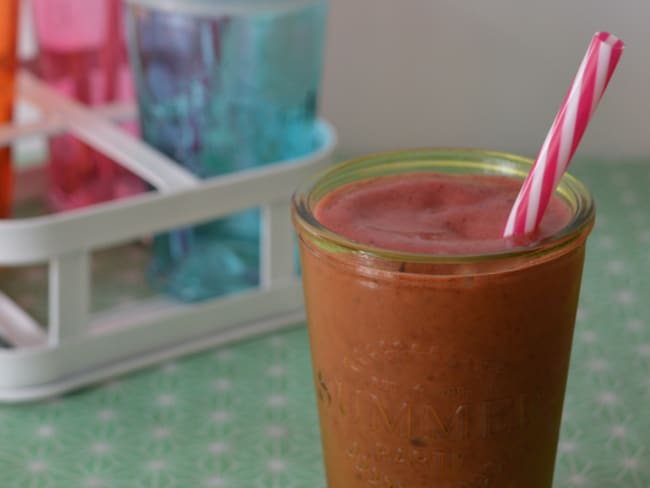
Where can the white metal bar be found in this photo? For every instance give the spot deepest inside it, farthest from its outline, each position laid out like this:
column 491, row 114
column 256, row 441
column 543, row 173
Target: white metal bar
column 17, row 327
column 149, row 164
column 118, row 337
column 36, row 239
column 63, row 384
column 49, row 124
column 195, row 318
column 117, row 112
column 69, row 290
column 53, row 124
column 277, row 263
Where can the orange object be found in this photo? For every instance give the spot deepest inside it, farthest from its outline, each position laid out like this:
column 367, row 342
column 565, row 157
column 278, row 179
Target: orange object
column 8, row 21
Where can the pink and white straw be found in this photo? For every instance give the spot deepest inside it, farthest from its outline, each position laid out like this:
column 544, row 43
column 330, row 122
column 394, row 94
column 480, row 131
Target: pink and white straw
column 564, row 136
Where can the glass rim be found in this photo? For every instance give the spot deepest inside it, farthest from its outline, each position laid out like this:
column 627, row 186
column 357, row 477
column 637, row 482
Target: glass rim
column 215, row 8
column 582, row 217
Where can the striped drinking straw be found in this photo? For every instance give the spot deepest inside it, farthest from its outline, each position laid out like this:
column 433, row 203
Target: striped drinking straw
column 564, row 136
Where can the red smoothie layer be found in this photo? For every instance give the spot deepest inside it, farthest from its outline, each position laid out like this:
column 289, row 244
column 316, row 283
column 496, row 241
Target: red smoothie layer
column 432, row 213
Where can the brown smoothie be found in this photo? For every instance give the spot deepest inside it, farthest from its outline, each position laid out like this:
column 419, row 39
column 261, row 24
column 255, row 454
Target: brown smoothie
column 445, row 373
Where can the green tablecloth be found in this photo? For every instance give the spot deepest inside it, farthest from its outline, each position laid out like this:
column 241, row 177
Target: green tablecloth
column 244, row 416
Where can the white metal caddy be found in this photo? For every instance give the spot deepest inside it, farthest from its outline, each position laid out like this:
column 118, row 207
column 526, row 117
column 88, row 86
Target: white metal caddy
column 76, row 348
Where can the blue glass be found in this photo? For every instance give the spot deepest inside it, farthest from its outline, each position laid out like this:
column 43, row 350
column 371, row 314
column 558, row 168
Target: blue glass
column 220, row 94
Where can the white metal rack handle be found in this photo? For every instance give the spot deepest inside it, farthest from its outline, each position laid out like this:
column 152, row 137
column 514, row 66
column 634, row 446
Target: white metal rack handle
column 79, row 348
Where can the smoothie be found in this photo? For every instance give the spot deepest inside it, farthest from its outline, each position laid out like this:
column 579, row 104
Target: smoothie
column 432, row 213
column 440, row 351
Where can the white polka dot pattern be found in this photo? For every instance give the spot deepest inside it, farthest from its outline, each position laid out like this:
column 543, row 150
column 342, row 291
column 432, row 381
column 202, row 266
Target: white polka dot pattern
column 245, row 415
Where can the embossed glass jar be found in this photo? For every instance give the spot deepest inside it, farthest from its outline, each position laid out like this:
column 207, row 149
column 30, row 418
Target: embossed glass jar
column 440, row 370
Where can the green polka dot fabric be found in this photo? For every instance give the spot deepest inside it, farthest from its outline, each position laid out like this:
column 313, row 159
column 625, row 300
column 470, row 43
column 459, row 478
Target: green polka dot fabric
column 245, row 415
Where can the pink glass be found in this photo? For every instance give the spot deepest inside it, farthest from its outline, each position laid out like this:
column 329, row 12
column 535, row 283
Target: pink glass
column 82, row 54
